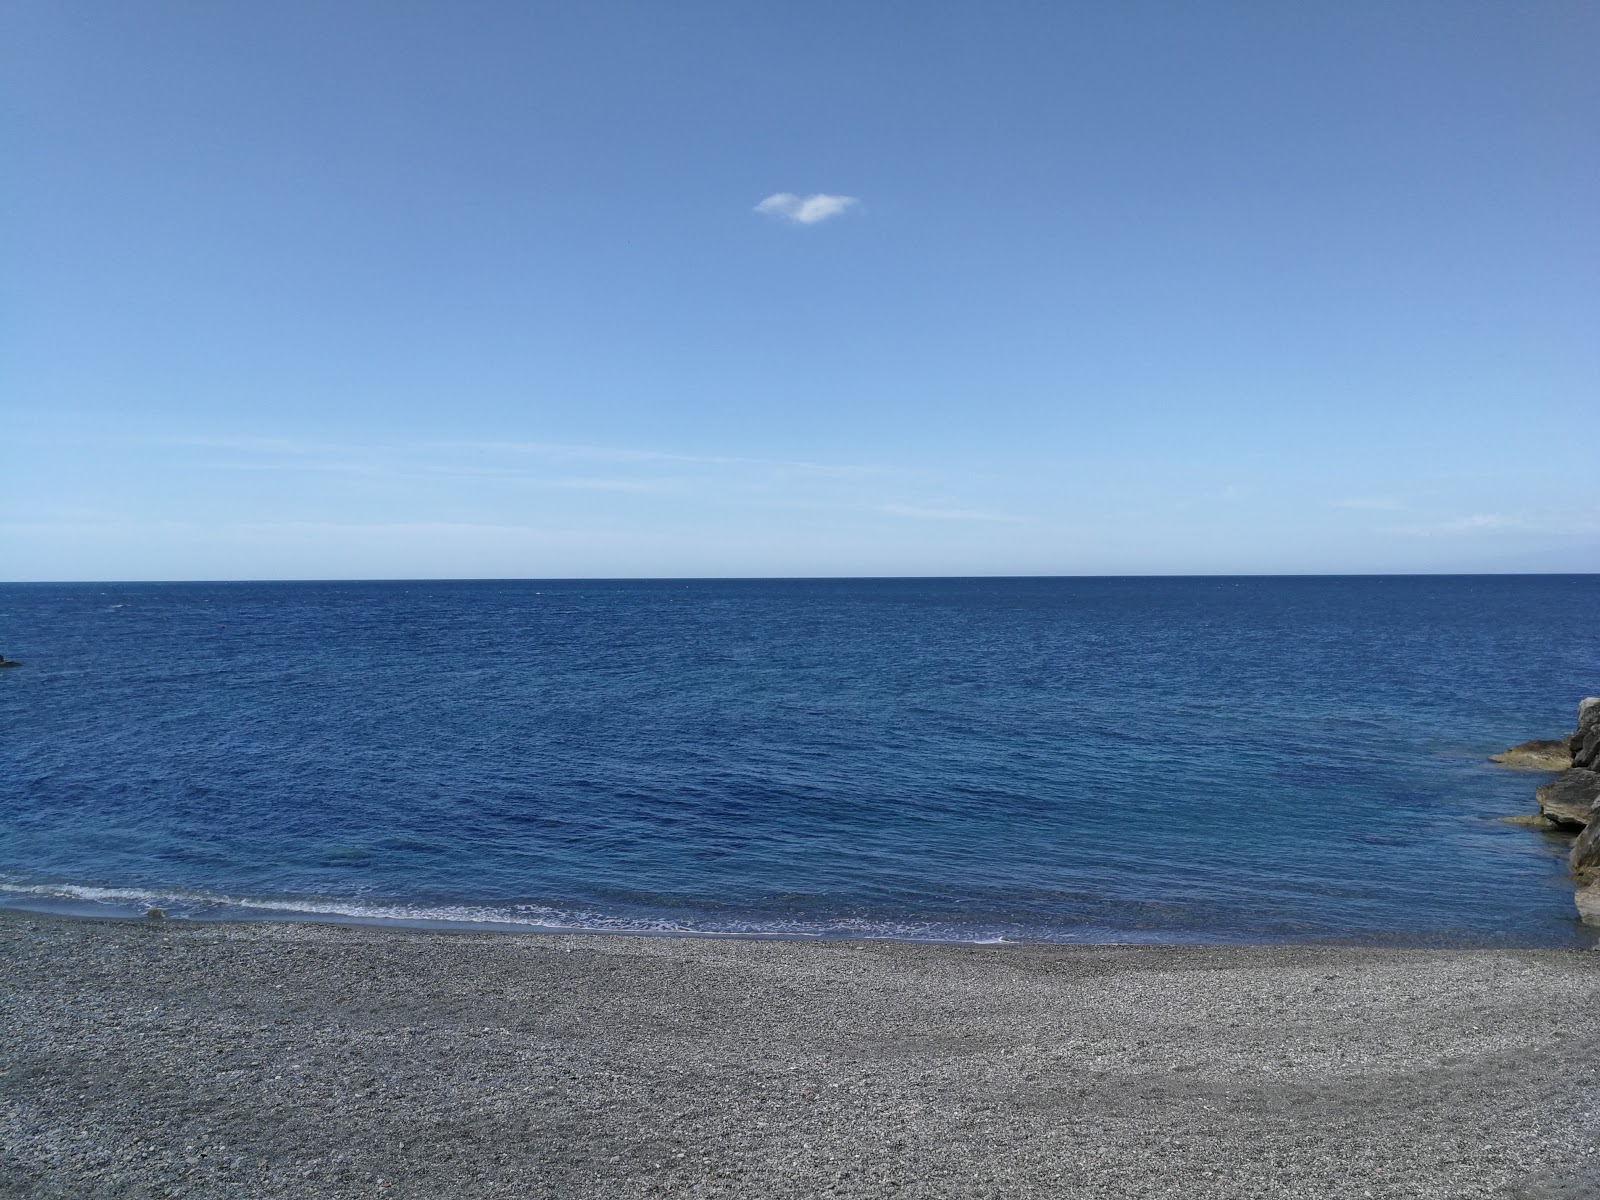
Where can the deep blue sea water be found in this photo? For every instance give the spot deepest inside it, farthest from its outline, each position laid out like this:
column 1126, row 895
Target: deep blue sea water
column 1147, row 759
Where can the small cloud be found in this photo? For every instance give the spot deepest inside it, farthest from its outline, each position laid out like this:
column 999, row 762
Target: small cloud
column 945, row 514
column 1456, row 526
column 626, row 456
column 260, row 445
column 1559, row 523
column 804, row 210
column 1370, row 504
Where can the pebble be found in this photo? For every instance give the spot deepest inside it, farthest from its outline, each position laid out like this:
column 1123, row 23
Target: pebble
column 322, row 1062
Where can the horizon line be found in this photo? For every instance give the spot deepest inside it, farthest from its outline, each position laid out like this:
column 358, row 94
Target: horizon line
column 813, row 578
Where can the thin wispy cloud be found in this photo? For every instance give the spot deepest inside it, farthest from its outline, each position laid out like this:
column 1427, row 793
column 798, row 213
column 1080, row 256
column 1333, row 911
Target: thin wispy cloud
column 1370, row 504
column 505, row 474
column 261, row 445
column 409, row 470
column 521, row 477
column 946, row 514
column 293, row 529
column 1543, row 523
column 804, row 210
column 397, row 529
column 611, row 485
column 626, row 455
column 295, row 454
column 1462, row 526
column 306, row 464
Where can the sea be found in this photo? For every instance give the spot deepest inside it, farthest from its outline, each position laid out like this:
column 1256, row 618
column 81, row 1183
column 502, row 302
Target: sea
column 1106, row 760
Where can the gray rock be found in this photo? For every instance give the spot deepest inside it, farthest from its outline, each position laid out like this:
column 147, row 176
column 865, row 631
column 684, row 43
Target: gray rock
column 1588, row 901
column 1535, row 756
column 1570, row 798
column 1585, row 857
column 1529, row 821
column 1585, row 743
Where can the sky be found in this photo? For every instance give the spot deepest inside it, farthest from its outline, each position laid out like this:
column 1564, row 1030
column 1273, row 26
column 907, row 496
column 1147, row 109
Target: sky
column 388, row 289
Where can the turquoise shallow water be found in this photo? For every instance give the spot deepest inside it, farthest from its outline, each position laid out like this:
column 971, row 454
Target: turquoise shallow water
column 1222, row 760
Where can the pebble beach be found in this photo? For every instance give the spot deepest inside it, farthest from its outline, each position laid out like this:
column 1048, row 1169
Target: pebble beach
column 153, row 1058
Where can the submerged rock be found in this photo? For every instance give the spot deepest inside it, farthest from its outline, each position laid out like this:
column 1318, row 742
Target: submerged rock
column 1570, row 799
column 1529, row 821
column 1543, row 755
column 1584, row 745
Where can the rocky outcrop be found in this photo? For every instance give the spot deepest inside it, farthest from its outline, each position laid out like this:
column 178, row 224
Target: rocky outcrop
column 1570, row 798
column 1584, row 745
column 1570, row 803
column 1584, row 861
column 1536, row 756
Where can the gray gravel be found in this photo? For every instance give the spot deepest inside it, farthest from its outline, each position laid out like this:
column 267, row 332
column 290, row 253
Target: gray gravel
column 176, row 1059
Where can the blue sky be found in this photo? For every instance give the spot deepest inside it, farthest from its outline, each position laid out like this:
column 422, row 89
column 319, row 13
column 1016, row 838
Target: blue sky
column 391, row 289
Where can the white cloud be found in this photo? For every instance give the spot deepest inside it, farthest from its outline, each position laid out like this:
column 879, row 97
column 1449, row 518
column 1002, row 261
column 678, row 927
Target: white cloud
column 1549, row 523
column 260, row 445
column 1370, row 504
column 411, row 459
column 624, row 455
column 396, row 529
column 804, row 210
column 945, row 514
column 1477, row 523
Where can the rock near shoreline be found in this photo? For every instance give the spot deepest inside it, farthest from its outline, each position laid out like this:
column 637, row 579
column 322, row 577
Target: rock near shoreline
column 1569, row 803
column 1584, row 745
column 1584, row 861
column 1570, row 799
column 1545, row 755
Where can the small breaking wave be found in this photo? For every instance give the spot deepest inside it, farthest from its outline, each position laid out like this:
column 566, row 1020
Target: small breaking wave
column 178, row 903
column 210, row 905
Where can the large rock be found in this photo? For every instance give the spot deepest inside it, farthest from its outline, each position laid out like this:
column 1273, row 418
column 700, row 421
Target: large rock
column 1585, row 857
column 1535, row 756
column 1588, row 901
column 1585, row 743
column 1570, row 799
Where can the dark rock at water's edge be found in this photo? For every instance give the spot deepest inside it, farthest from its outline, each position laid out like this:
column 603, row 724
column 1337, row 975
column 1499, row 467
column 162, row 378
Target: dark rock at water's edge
column 1570, row 803
column 1584, row 745
column 1546, row 755
column 1584, row 861
column 1570, row 798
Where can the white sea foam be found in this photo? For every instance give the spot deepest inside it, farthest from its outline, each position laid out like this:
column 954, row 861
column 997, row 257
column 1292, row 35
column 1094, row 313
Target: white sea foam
column 73, row 891
column 211, row 904
column 208, row 903
column 180, row 902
